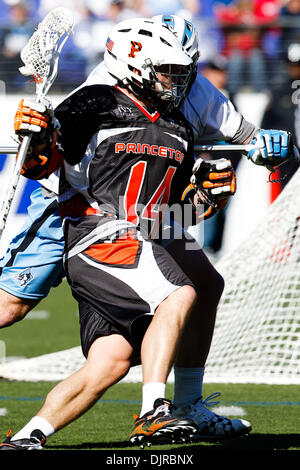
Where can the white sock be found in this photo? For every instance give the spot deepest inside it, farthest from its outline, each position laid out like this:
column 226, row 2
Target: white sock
column 188, row 382
column 151, row 391
column 37, row 422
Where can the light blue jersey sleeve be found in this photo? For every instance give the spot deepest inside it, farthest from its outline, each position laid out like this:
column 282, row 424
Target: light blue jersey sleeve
column 210, row 113
column 33, row 262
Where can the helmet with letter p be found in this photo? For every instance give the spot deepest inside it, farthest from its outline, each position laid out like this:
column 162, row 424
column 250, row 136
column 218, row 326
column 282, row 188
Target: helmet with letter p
column 140, row 52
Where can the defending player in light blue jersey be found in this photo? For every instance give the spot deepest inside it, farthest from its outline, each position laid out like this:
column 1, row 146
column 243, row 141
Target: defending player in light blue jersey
column 213, row 118
column 30, row 279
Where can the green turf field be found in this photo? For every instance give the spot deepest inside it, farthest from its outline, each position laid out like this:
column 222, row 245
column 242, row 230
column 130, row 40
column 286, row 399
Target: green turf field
column 274, row 411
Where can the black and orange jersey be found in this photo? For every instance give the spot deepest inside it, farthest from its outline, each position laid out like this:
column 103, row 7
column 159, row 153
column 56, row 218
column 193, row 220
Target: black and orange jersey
column 123, row 164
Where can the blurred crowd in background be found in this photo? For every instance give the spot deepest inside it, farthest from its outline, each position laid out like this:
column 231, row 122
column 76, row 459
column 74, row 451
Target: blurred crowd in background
column 245, row 46
column 248, row 39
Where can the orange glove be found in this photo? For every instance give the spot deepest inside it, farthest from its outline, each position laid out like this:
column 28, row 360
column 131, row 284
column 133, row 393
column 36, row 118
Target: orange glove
column 37, row 166
column 212, row 183
column 44, row 155
column 31, row 117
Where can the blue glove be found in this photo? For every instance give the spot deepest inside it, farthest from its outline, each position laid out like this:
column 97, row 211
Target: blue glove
column 273, row 147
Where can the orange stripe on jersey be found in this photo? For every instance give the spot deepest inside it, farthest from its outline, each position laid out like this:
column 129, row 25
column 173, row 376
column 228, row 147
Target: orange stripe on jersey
column 122, row 252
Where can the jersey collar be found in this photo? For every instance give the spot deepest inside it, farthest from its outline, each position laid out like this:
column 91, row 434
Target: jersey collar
column 152, row 117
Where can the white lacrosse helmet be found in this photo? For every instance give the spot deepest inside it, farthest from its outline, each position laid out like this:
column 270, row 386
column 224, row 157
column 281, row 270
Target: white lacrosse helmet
column 185, row 32
column 139, row 48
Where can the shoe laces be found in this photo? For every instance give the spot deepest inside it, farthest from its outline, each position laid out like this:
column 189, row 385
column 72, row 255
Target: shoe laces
column 200, row 407
column 163, row 409
column 208, row 402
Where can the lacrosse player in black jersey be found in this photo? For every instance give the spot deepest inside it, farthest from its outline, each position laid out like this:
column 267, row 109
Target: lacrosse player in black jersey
column 188, row 381
column 127, row 153
column 207, row 281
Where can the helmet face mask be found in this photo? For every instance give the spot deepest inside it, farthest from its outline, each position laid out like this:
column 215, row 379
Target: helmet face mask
column 169, row 82
column 186, row 34
column 146, row 57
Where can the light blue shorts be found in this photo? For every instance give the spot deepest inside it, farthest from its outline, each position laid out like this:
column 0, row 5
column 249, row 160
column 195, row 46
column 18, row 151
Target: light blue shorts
column 33, row 262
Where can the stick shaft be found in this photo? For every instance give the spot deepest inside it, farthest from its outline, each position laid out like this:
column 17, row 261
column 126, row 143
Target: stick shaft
column 225, row 147
column 14, row 182
column 8, row 149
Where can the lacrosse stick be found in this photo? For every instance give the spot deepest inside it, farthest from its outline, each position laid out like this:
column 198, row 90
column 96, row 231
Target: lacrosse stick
column 40, row 56
column 5, row 149
column 201, row 148
column 235, row 147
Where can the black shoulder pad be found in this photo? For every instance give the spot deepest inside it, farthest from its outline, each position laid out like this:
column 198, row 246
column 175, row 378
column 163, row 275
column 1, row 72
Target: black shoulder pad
column 80, row 116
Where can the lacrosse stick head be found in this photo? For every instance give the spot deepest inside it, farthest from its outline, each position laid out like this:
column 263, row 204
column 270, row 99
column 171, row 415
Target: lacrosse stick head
column 40, row 54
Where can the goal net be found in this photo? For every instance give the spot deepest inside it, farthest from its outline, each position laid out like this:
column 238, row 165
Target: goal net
column 257, row 334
